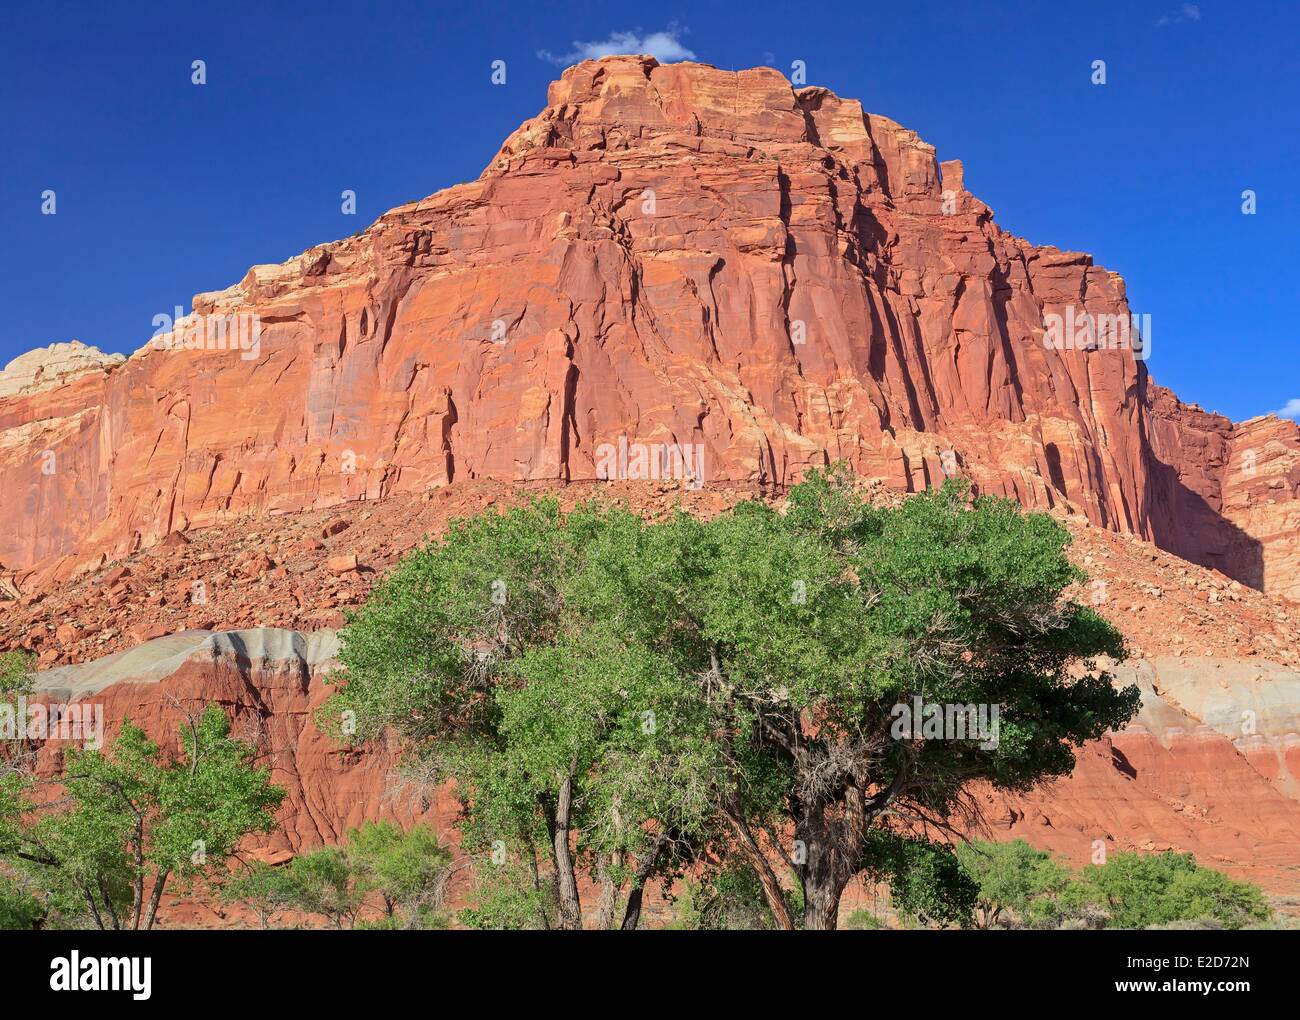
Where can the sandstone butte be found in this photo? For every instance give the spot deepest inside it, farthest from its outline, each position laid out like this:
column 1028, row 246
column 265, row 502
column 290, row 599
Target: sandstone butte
column 666, row 254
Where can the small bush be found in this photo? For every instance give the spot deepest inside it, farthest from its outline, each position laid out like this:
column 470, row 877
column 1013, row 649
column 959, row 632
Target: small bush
column 19, row 909
column 1023, row 887
column 509, row 899
column 863, row 920
column 1145, row 890
column 406, row 871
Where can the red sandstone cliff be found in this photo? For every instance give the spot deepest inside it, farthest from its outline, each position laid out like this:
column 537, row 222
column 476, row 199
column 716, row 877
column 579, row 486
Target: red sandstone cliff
column 667, row 254
column 1227, row 495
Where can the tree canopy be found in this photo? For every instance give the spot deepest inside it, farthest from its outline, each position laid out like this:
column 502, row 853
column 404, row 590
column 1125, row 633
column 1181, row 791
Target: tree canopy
column 639, row 695
column 135, row 817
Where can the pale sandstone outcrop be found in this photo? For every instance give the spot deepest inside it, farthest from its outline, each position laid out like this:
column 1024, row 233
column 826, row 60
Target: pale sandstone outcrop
column 269, row 681
column 48, row 367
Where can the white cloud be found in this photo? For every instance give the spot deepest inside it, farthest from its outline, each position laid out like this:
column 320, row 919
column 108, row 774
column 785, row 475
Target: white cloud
column 664, row 46
column 1188, row 12
column 1291, row 410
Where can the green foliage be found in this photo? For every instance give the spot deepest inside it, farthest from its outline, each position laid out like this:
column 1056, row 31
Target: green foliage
column 1021, row 886
column 729, row 899
column 1016, row 882
column 510, row 897
column 320, row 882
column 863, row 920
column 15, row 674
column 1142, row 890
column 407, row 870
column 686, row 904
column 491, row 651
column 961, row 602
column 20, row 910
column 703, row 679
column 926, row 880
column 956, row 600
column 134, row 817
column 425, row 920
column 15, row 682
column 263, row 888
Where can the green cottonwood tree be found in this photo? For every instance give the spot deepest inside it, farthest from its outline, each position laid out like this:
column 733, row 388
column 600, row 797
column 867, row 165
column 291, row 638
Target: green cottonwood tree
column 263, row 888
column 662, row 688
column 407, row 870
column 802, row 629
column 134, row 818
column 490, row 652
column 321, row 882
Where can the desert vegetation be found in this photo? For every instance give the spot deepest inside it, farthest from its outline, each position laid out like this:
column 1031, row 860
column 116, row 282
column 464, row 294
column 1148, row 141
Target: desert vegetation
column 751, row 713
column 646, row 699
column 127, row 822
column 381, row 877
column 1020, row 887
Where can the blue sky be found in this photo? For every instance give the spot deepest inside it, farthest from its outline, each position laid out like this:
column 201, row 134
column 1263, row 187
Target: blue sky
column 164, row 188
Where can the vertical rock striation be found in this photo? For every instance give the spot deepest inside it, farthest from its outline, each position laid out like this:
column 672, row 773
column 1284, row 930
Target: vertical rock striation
column 664, row 255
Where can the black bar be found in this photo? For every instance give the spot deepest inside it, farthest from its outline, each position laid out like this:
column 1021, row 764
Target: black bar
column 326, row 969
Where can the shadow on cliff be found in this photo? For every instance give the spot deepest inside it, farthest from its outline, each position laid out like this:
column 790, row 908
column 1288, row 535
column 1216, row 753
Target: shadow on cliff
column 1184, row 523
column 1122, row 765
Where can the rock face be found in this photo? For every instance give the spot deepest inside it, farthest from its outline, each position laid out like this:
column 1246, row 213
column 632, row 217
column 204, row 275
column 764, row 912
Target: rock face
column 677, row 271
column 668, row 258
column 1209, row 766
column 275, row 572
column 269, row 681
column 48, row 367
column 1227, row 495
column 1189, row 774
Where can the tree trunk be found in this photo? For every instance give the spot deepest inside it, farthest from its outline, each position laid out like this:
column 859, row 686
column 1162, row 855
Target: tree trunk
column 772, row 890
column 537, row 887
column 94, row 909
column 108, row 904
column 608, row 892
column 825, row 874
column 158, row 885
column 632, row 913
column 821, row 911
column 566, row 879
column 137, row 906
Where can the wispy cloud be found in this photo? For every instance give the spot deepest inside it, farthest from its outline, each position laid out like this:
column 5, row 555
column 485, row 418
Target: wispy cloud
column 665, row 46
column 1184, row 14
column 1291, row 410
